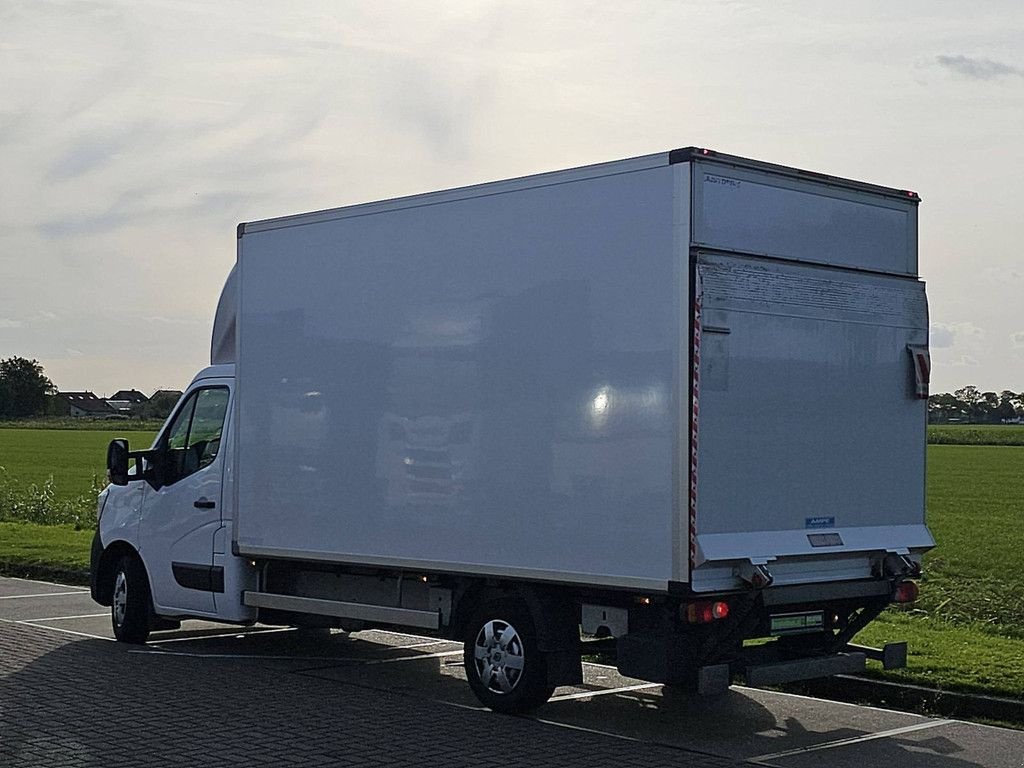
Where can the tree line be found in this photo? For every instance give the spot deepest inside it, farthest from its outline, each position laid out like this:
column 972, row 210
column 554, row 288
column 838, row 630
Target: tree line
column 26, row 393
column 24, row 388
column 972, row 406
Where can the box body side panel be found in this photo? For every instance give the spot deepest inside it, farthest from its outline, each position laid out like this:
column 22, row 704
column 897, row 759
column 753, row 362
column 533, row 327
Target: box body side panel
column 482, row 384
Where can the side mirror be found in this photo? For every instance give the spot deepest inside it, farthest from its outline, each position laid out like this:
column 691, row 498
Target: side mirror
column 117, row 461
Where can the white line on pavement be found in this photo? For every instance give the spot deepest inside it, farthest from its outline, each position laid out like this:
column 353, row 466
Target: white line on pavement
column 45, row 594
column 604, row 692
column 258, row 656
column 55, row 629
column 67, row 618
column 609, row 734
column 854, row 740
column 40, row 581
column 236, row 633
column 415, row 657
column 282, row 657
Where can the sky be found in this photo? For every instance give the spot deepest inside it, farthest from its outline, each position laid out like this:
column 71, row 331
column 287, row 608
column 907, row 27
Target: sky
column 134, row 136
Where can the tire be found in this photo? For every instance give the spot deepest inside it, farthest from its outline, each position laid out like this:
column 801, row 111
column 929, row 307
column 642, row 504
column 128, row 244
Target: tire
column 130, row 607
column 505, row 670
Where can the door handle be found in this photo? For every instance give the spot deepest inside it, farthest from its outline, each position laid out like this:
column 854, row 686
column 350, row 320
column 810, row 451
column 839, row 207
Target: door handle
column 204, row 504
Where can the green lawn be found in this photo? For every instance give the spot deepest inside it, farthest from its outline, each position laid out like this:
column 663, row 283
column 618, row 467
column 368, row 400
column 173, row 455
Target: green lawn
column 956, row 658
column 976, row 434
column 975, row 512
column 58, row 546
column 84, row 423
column 72, row 457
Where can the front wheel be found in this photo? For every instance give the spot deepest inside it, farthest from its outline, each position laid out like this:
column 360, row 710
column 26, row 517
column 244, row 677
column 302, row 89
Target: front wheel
column 129, row 610
column 504, row 668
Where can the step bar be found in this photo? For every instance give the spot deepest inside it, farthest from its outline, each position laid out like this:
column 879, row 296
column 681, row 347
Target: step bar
column 377, row 614
column 715, row 679
column 779, row 672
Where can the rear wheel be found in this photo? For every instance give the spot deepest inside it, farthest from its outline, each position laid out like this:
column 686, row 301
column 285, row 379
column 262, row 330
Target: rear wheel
column 130, row 608
column 504, row 668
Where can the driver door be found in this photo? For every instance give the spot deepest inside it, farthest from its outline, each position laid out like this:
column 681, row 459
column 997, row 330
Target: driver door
column 181, row 511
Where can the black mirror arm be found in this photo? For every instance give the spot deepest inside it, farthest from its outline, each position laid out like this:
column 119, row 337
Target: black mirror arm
column 152, row 456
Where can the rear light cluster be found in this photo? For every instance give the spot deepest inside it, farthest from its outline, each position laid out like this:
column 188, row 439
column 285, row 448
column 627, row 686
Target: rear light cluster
column 905, row 592
column 705, row 612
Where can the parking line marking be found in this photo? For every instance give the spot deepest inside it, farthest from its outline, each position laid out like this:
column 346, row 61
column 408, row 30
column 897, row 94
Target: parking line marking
column 458, row 705
column 595, row 731
column 414, row 657
column 237, row 633
column 56, row 629
column 256, row 656
column 855, row 740
column 66, row 618
column 604, row 692
column 51, row 583
column 281, row 657
column 45, row 594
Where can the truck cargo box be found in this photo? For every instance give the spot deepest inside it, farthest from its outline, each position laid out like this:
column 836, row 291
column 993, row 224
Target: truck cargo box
column 662, row 373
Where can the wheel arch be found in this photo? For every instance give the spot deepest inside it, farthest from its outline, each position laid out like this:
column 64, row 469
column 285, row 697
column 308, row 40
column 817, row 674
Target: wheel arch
column 108, row 561
column 555, row 613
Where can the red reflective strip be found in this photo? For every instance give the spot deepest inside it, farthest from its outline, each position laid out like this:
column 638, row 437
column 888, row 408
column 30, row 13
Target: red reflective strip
column 923, row 367
column 694, row 418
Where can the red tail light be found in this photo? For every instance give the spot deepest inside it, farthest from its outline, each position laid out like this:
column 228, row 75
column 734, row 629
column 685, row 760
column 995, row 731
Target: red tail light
column 906, row 592
column 706, row 612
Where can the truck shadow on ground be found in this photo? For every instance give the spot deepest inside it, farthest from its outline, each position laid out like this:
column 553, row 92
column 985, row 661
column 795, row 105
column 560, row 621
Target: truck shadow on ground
column 737, row 724
column 266, row 698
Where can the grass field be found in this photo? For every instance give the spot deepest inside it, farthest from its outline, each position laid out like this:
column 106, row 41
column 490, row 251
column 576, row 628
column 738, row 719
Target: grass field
column 976, row 434
column 86, row 424
column 58, row 546
column 976, row 511
column 948, row 656
column 72, row 457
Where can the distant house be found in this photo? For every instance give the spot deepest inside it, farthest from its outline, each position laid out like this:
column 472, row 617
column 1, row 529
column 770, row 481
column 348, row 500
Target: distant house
column 79, row 404
column 127, row 401
column 132, row 396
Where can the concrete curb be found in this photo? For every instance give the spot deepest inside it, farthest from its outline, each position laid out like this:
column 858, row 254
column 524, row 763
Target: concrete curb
column 915, row 698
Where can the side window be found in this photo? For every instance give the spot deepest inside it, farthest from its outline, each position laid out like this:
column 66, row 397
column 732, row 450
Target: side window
column 177, row 435
column 207, row 424
column 193, row 439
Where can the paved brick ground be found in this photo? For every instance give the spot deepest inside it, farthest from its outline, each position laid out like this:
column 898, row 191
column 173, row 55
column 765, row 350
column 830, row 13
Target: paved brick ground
column 66, row 701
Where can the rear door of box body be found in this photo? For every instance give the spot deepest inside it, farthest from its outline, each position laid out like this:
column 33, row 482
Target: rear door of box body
column 809, row 432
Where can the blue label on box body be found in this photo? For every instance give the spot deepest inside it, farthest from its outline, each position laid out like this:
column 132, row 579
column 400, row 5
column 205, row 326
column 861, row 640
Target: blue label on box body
column 819, row 522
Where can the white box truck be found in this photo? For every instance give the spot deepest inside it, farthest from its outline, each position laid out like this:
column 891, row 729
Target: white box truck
column 676, row 402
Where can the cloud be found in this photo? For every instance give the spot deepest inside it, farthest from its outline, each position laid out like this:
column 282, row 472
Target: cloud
column 943, row 335
column 964, row 361
column 174, row 320
column 940, row 336
column 978, row 68
column 1017, row 339
column 1001, row 275
column 88, row 154
column 6, row 322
